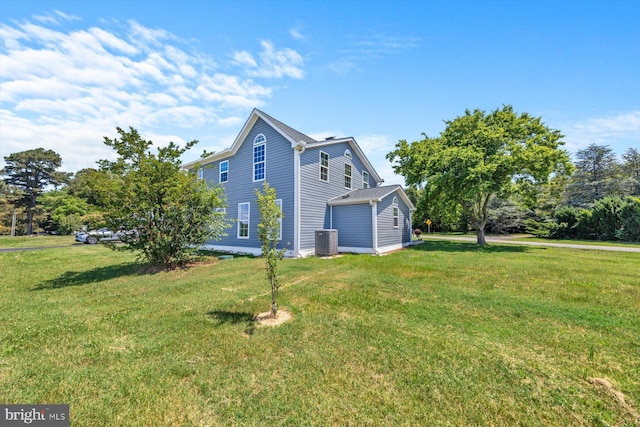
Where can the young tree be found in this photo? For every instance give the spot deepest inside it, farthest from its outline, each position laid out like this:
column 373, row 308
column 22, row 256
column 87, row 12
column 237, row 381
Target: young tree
column 31, row 172
column 268, row 233
column 480, row 156
column 171, row 212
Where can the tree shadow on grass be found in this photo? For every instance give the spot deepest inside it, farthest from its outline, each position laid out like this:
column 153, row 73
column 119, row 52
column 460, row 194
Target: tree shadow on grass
column 472, row 247
column 80, row 278
column 223, row 317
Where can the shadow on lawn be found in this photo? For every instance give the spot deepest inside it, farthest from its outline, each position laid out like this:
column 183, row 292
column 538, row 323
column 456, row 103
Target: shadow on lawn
column 80, row 278
column 453, row 246
column 233, row 318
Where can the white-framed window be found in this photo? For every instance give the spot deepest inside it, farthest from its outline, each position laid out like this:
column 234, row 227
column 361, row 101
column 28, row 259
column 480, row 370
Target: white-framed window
column 347, row 154
column 347, row 176
column 244, row 213
column 259, row 158
column 279, row 203
column 324, row 166
column 200, row 173
column 365, row 179
column 396, row 213
column 224, row 171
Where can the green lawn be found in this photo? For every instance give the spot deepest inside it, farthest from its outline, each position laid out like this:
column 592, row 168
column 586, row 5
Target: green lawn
column 441, row 334
column 35, row 241
column 579, row 242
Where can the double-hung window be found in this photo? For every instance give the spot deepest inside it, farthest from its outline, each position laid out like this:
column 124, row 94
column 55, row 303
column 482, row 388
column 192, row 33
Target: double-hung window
column 324, row 166
column 200, row 173
column 259, row 158
column 365, row 179
column 396, row 213
column 347, row 176
column 224, row 171
column 244, row 210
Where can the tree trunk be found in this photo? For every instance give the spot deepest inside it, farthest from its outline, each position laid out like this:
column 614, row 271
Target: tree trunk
column 480, row 235
column 29, row 221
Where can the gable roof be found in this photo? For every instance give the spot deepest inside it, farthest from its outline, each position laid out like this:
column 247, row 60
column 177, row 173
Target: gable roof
column 295, row 137
column 286, row 130
column 367, row 195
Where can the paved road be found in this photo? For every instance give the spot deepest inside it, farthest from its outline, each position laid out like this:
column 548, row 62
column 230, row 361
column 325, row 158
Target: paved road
column 523, row 242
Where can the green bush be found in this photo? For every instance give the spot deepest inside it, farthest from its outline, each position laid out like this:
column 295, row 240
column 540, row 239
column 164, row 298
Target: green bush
column 630, row 220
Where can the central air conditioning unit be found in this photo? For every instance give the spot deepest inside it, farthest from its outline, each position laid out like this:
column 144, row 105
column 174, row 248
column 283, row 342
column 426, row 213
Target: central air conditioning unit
column 326, row 242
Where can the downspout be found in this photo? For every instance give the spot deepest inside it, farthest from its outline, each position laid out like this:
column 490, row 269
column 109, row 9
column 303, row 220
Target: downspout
column 410, row 229
column 331, row 217
column 374, row 226
column 297, row 150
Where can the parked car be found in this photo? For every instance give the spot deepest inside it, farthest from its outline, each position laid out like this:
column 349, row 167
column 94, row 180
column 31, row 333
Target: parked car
column 100, row 235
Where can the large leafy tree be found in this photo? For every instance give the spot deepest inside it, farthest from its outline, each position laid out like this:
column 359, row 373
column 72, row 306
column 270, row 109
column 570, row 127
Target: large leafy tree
column 597, row 176
column 631, row 168
column 168, row 211
column 31, row 172
column 479, row 156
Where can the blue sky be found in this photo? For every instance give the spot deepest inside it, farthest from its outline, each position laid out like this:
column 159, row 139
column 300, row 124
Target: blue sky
column 380, row 71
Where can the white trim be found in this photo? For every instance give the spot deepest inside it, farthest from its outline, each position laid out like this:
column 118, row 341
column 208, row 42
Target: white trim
column 220, row 181
column 241, row 250
column 320, row 166
column 306, row 252
column 378, row 251
column 330, row 217
column 350, row 176
column 374, row 225
column 248, row 125
column 264, row 162
column 296, row 200
column 355, row 250
column 248, row 220
column 355, row 148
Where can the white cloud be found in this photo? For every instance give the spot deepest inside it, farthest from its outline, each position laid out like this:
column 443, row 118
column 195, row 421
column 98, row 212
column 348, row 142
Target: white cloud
column 361, row 50
column 619, row 131
column 296, row 33
column 271, row 62
column 65, row 89
column 56, row 18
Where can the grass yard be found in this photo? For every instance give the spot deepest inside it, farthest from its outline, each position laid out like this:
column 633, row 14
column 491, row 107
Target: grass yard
column 35, row 241
column 441, row 334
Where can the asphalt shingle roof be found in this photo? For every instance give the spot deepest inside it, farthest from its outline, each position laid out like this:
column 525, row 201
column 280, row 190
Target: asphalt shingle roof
column 288, row 130
column 364, row 195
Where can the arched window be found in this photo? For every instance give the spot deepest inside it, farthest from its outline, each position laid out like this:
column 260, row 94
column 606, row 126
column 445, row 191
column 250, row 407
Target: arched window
column 347, row 154
column 259, row 157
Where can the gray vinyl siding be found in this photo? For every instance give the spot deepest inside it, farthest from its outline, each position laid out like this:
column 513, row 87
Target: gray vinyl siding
column 240, row 186
column 387, row 233
column 353, row 223
column 314, row 193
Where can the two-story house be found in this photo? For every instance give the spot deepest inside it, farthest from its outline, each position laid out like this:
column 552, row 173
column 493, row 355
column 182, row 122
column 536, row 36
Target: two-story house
column 327, row 184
